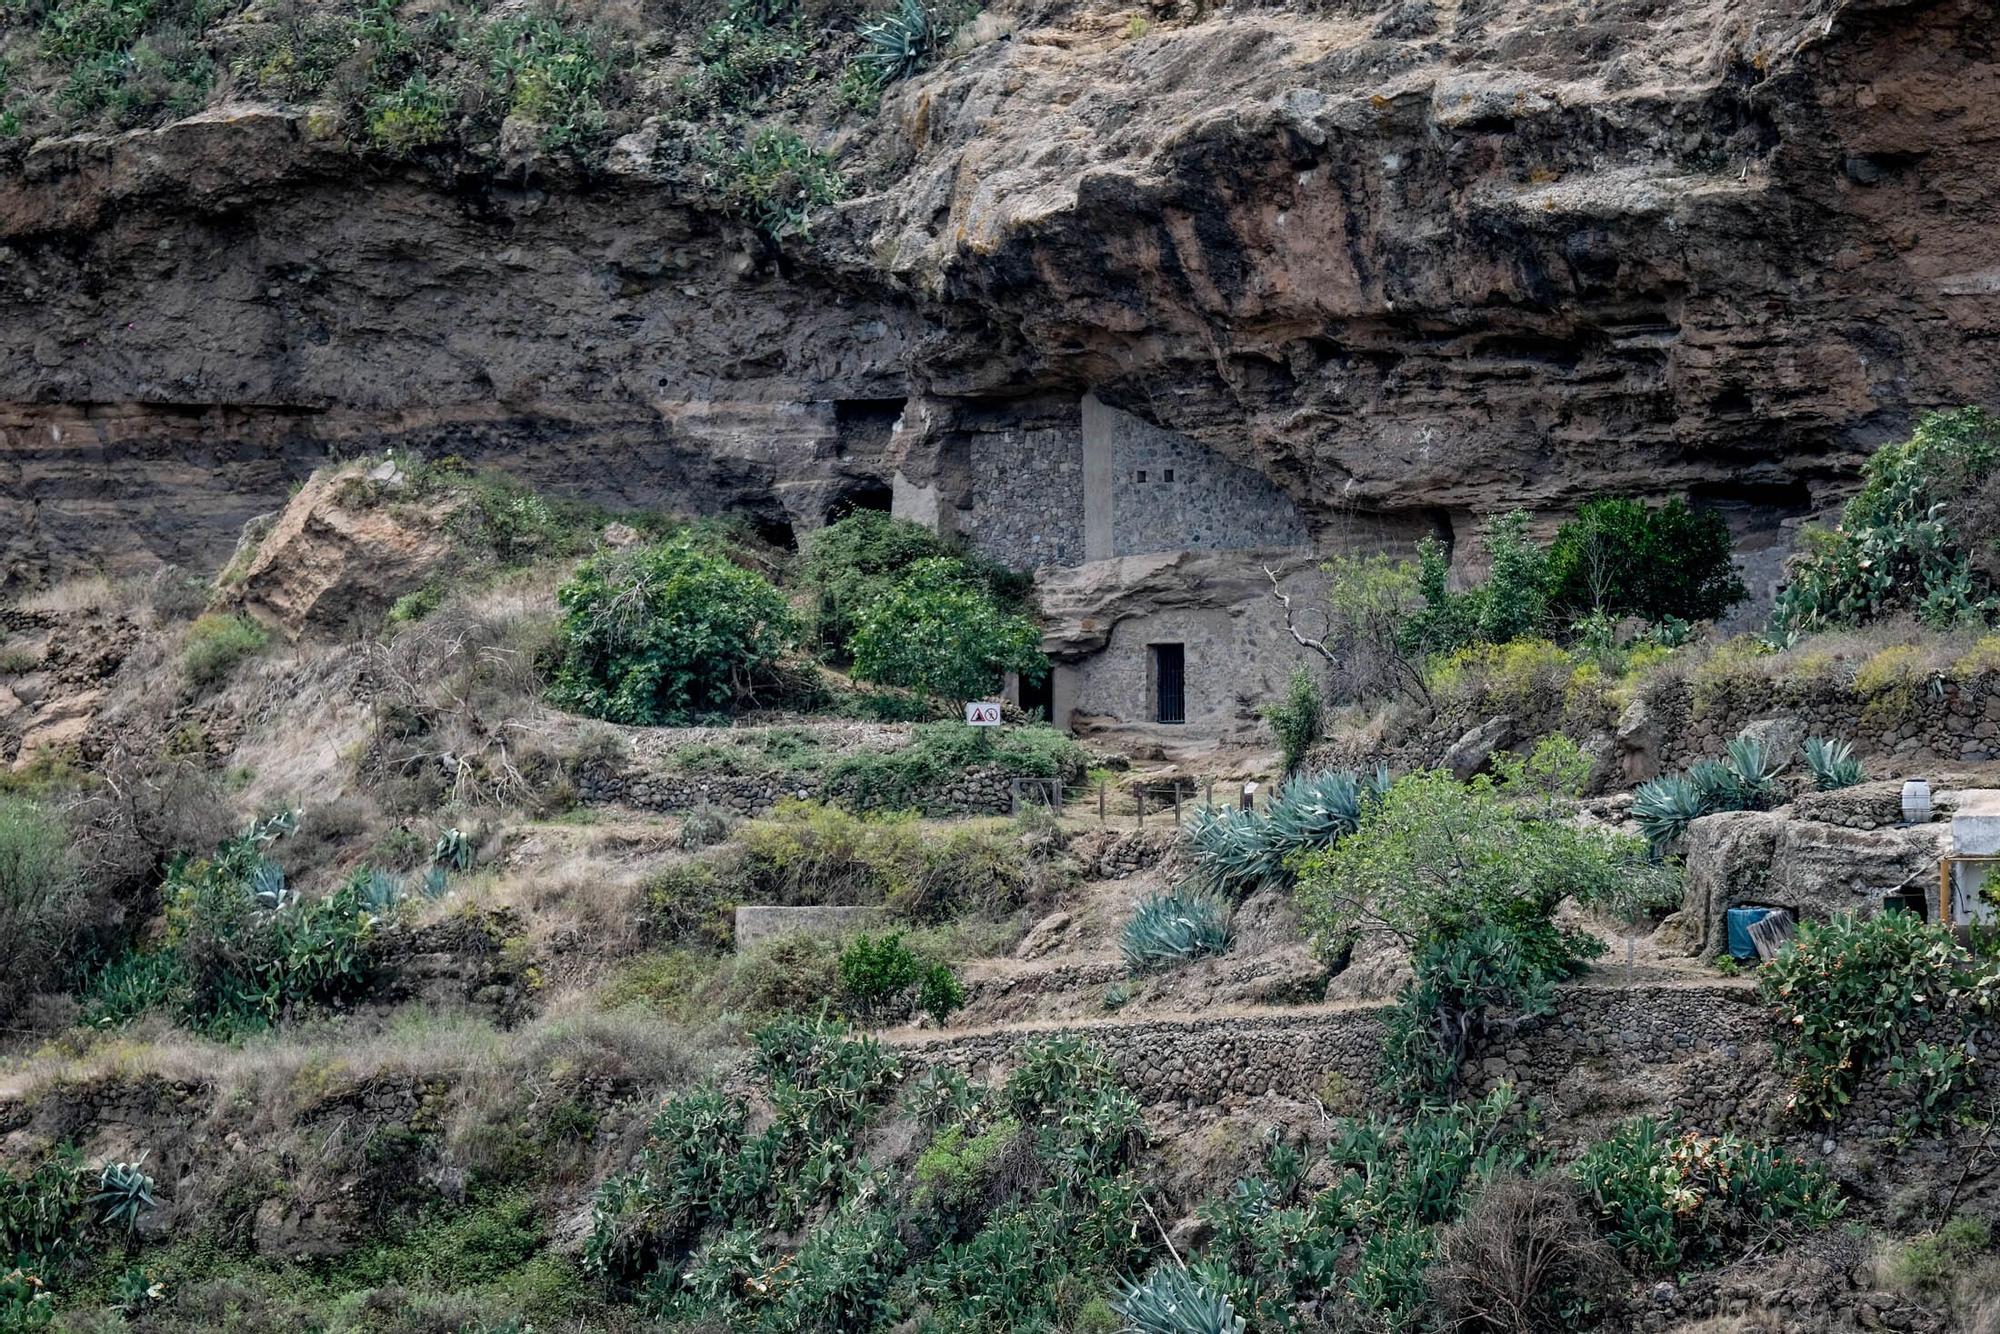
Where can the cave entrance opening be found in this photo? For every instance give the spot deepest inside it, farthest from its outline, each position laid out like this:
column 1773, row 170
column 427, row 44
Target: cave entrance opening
column 860, row 493
column 1039, row 696
column 1169, row 682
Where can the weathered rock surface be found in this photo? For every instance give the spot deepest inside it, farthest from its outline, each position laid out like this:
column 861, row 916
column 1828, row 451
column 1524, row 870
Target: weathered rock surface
column 333, row 558
column 1784, row 859
column 1517, row 254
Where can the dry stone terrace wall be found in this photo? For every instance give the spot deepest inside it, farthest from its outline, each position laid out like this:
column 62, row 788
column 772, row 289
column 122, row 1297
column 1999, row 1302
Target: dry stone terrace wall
column 1673, row 723
column 1925, row 720
column 1702, row 1054
column 982, row 791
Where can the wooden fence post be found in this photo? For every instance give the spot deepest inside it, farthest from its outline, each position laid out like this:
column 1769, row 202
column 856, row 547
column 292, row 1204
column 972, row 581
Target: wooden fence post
column 1100, row 801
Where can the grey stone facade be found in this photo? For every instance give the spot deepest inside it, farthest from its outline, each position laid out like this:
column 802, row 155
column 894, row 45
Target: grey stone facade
column 1028, row 497
column 1237, row 656
column 1094, row 486
column 1107, row 484
column 1153, row 490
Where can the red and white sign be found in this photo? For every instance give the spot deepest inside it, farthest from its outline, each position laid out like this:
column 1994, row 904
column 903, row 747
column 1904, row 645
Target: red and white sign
column 986, row 713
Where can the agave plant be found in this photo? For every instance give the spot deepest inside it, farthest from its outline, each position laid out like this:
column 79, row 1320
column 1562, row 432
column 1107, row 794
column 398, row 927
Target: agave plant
column 900, row 43
column 1232, row 852
column 267, row 885
column 1175, row 927
column 434, row 883
column 453, row 851
column 377, row 891
column 1755, row 769
column 1715, row 783
column 1665, row 808
column 1832, row 763
column 1239, row 852
column 1170, row 1300
column 126, row 1192
column 1314, row 811
column 1376, row 786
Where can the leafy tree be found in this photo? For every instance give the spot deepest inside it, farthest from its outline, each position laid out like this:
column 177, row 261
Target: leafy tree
column 1899, row 546
column 851, row 563
column 666, row 634
column 1511, row 603
column 860, row 559
column 1624, row 558
column 939, row 632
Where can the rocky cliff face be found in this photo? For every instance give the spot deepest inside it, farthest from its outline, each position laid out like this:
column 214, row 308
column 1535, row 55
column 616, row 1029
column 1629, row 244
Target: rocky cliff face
column 1413, row 261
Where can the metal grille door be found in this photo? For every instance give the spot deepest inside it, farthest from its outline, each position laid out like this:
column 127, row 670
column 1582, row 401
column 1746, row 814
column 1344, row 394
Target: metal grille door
column 1170, row 683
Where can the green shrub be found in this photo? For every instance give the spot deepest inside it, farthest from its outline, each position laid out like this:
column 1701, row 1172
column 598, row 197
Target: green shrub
column 1899, row 545
column 938, row 631
column 916, row 776
column 775, row 181
column 1832, row 763
column 1667, row 1201
column 939, row 993
column 742, row 64
column 1174, row 927
column 666, row 634
column 240, row 951
column 855, row 561
column 1470, row 882
column 1512, row 602
column 411, row 117
column 1369, row 644
column 1930, row 1266
column 216, row 642
column 552, row 75
column 1854, row 995
column 43, row 906
column 1436, row 857
column 1298, row 721
column 44, row 1212
column 1623, row 558
column 960, row 1165
column 1359, row 1248
column 873, row 972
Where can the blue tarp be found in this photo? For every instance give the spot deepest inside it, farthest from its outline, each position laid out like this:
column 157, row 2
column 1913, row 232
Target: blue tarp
column 1741, row 947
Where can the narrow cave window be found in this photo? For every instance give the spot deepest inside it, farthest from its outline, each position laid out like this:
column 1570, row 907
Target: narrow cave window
column 1139, row 476
column 1167, row 476
column 1169, row 682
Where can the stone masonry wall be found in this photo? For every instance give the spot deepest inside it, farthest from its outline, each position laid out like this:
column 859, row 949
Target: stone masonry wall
column 1937, row 720
column 1702, row 1054
column 1173, row 493
column 1027, row 497
column 982, row 791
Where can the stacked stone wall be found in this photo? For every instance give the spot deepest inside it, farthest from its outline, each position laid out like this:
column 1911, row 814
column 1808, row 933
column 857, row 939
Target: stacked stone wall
column 979, row 791
column 1931, row 721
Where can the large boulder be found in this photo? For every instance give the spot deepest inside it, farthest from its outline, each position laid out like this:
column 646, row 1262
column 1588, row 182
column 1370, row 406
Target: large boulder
column 1821, row 870
column 1641, row 736
column 1472, row 753
column 1728, row 862
column 1778, row 859
column 341, row 553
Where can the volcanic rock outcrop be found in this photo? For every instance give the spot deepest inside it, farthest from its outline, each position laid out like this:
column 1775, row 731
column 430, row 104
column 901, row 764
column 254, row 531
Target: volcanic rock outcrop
column 1414, row 261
